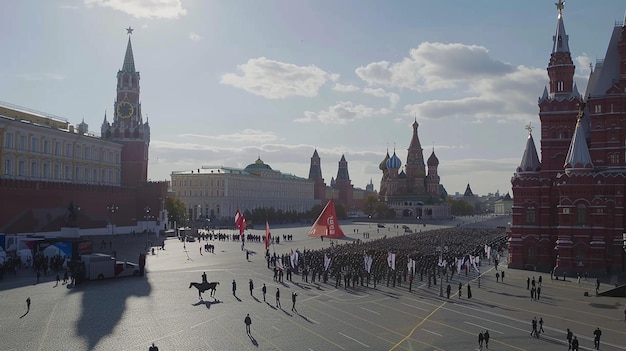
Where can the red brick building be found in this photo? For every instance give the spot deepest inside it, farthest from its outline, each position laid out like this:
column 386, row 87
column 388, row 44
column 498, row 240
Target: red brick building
column 568, row 209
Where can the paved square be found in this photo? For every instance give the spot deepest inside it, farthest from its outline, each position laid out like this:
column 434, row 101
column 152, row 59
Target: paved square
column 132, row 313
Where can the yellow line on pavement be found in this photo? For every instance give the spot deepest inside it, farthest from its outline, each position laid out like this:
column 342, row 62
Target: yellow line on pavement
column 417, row 326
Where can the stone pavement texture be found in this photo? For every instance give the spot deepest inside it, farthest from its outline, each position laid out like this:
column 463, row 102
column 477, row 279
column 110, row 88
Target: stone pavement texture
column 131, row 313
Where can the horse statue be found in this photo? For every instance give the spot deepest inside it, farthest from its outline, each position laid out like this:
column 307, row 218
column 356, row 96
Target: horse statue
column 204, row 286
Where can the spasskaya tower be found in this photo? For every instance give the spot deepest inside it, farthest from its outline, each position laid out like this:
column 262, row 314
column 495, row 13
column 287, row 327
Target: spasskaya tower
column 128, row 127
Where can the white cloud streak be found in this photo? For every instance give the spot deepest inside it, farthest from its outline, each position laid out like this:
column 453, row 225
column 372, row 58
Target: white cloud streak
column 153, row 9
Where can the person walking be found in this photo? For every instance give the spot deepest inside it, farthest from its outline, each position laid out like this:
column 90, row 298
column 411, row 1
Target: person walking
column 575, row 344
column 527, row 283
column 486, row 336
column 251, row 285
column 27, row 304
column 538, row 293
column 293, row 300
column 541, row 325
column 264, row 290
column 460, row 289
column 596, row 338
column 278, row 298
column 533, row 332
column 234, row 288
column 153, row 348
column 469, row 291
column 449, row 290
column 502, row 280
column 569, row 337
column 480, row 339
column 248, row 321
column 597, row 285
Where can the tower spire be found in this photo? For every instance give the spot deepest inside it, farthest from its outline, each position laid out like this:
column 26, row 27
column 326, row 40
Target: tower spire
column 129, row 60
column 560, row 39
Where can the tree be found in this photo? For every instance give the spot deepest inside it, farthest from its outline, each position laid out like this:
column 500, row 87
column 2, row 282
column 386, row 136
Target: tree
column 369, row 205
column 460, row 207
column 176, row 210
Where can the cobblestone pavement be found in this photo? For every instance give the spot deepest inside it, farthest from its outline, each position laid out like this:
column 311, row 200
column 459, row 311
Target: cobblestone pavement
column 131, row 313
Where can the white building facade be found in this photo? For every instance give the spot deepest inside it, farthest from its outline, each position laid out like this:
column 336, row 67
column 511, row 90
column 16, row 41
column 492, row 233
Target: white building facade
column 37, row 147
column 217, row 192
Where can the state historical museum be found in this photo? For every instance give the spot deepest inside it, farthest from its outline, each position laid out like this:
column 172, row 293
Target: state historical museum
column 568, row 212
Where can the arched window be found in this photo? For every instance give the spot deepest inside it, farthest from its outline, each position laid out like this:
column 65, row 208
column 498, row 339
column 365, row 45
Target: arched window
column 530, row 215
column 581, row 214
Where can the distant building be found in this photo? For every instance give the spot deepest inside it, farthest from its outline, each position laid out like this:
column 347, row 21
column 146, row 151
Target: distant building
column 503, row 205
column 568, row 206
column 340, row 188
column 414, row 192
column 217, row 192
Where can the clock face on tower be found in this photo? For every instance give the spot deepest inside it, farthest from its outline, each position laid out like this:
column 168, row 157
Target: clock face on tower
column 124, row 109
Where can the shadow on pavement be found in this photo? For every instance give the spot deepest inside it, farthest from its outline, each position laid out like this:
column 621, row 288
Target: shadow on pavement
column 103, row 305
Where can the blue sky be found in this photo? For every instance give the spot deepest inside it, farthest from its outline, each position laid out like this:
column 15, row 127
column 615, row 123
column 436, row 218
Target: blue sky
column 223, row 82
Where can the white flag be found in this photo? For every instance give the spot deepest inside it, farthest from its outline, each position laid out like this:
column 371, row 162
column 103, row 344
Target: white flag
column 326, row 262
column 368, row 263
column 391, row 260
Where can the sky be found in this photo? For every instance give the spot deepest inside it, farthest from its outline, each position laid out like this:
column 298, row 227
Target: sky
column 226, row 82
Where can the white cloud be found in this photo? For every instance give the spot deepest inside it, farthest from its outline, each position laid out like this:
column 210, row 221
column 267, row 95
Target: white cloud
column 433, row 66
column 278, row 80
column 378, row 92
column 342, row 113
column 69, row 7
column 246, row 135
column 512, row 96
column 143, row 8
column 41, row 76
column 194, row 36
column 345, row 88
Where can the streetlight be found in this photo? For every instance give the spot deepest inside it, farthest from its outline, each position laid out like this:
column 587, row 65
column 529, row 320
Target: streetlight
column 146, row 216
column 112, row 209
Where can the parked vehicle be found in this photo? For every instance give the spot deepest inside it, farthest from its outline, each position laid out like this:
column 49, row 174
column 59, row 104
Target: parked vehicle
column 100, row 266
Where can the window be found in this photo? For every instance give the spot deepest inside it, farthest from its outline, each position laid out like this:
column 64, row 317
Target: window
column 68, row 172
column 46, row 170
column 8, row 141
column 613, row 158
column 103, row 178
column 559, row 86
column 581, row 214
column 598, row 108
column 77, row 174
column 22, row 142
column 95, row 176
column 21, row 168
column 87, row 153
column 34, row 144
column 77, row 154
column 530, row 215
column 8, row 166
column 57, row 172
column 34, row 169
column 57, row 148
column 46, row 146
column 68, row 150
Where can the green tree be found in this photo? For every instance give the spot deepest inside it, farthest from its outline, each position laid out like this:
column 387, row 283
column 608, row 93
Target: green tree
column 176, row 210
column 369, row 205
column 341, row 211
column 460, row 207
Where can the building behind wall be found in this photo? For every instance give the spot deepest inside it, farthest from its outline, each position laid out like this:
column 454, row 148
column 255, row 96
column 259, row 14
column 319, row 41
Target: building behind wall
column 217, row 192
column 568, row 207
column 48, row 164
